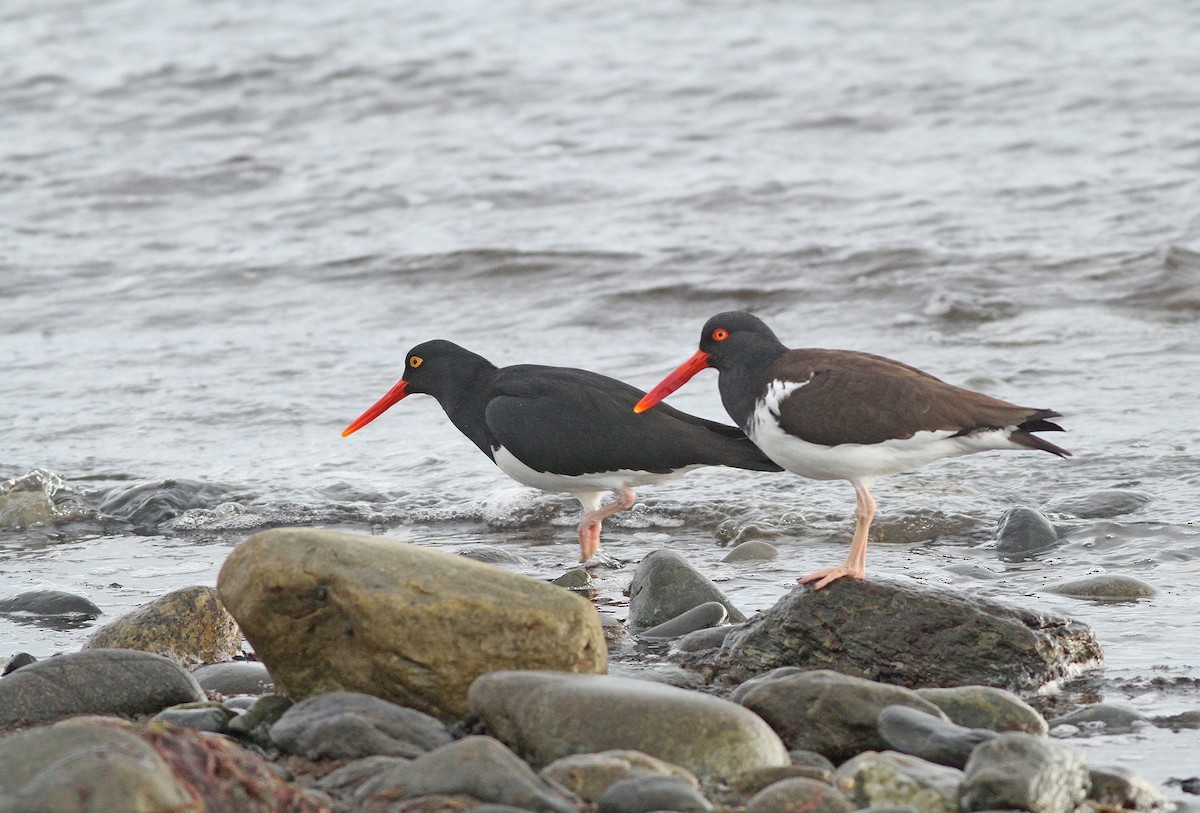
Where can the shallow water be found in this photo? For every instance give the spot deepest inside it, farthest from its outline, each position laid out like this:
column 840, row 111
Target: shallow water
column 224, row 225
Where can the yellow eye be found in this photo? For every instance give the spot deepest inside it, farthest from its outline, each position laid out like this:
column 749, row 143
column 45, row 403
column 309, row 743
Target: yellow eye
column 415, row 361
column 720, row 334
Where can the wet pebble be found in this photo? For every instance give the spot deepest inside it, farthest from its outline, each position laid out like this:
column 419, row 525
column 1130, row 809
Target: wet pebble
column 234, row 677
column 1107, row 718
column 1109, row 502
column 790, row 795
column 1105, row 587
column 922, row 735
column 17, row 661
column 754, row 550
column 350, row 725
column 986, row 707
column 709, row 614
column 665, row 585
column 891, row 778
column 50, row 603
column 95, row 681
column 643, row 794
column 190, row 626
column 576, row 579
column 1024, row 533
column 1023, row 772
column 701, row 640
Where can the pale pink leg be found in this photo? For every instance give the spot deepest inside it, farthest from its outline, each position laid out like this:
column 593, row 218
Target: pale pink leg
column 594, row 515
column 856, row 563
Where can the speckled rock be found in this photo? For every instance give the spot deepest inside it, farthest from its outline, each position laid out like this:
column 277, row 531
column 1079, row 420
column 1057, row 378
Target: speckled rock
column 190, row 626
column 95, row 681
column 1023, row 772
column 1122, row 789
column 791, row 795
column 409, row 624
column 545, row 716
column 891, row 778
column 986, row 707
column 665, row 585
column 589, row 775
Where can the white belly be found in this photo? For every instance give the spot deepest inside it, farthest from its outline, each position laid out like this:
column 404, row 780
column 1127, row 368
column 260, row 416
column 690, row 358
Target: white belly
column 578, row 483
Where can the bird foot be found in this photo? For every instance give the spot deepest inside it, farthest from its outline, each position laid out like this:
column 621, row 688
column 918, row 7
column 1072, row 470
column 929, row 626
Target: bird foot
column 829, row 575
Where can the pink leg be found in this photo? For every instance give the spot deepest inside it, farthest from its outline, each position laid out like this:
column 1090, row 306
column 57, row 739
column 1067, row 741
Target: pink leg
column 856, row 563
column 594, row 515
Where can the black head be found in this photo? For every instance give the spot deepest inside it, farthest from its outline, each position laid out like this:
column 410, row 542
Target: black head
column 736, row 337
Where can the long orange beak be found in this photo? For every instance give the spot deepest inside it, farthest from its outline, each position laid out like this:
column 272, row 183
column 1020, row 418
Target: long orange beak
column 378, row 408
column 674, row 381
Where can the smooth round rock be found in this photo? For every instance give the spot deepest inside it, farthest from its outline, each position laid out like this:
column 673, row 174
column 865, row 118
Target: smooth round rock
column 350, row 725
column 833, row 714
column 754, row 550
column 702, row 640
column 401, row 622
column 51, row 603
column 643, row 794
column 546, row 716
column 665, row 585
column 95, row 681
column 190, row 626
column 791, row 795
column 1019, row 771
column 930, row 738
column 1122, row 789
column 1109, row 502
column 1107, row 587
column 1024, row 533
column 709, row 614
column 986, row 707
column 890, row 778
column 589, row 775
column 234, row 677
column 17, row 661
column 1110, row 718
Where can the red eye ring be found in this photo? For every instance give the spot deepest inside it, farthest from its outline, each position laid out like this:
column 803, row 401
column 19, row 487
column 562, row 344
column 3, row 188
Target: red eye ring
column 720, row 334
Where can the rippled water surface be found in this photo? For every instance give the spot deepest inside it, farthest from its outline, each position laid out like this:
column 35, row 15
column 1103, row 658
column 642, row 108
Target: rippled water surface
column 222, row 224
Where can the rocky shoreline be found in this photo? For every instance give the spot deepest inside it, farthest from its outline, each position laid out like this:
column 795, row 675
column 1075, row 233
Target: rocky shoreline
column 391, row 677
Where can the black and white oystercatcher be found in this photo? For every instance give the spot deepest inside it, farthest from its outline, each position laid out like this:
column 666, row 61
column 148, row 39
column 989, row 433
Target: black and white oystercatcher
column 561, row 429
column 843, row 415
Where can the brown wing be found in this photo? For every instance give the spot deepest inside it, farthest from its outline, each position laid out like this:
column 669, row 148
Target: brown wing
column 862, row 398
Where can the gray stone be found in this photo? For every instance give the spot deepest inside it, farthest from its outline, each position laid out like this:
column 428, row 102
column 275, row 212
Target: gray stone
column 589, row 775
column 190, row 626
column 702, row 640
column 643, row 794
column 86, row 766
column 212, row 717
column 914, row 732
column 546, row 716
column 95, row 681
column 491, row 554
column 1106, row 587
column 833, row 714
column 478, row 766
column 912, row 635
column 791, row 795
column 891, row 778
column 665, row 586
column 234, row 677
column 1109, row 718
column 1109, row 502
column 350, row 725
column 709, row 614
column 50, row 603
column 740, row 788
column 986, row 707
column 349, row 778
column 575, row 579
column 1122, row 789
column 755, row 550
column 328, row 611
column 1023, row 772
column 255, row 724
column 18, row 661
column 1022, row 534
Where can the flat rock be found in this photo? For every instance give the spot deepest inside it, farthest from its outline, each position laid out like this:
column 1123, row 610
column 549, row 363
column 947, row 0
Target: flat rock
column 329, row 611
column 1024, row 533
column 915, row 636
column 665, row 586
column 589, row 775
column 799, row 794
column 1018, row 771
column 1105, row 587
column 987, row 707
column 546, row 716
column 934, row 740
column 95, row 681
column 350, row 725
column 478, row 766
column 1108, row 502
column 190, row 626
column 893, row 779
column 833, row 714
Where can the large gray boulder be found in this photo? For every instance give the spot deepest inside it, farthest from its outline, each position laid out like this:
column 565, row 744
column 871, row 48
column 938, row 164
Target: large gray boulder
column 914, row 636
column 329, row 611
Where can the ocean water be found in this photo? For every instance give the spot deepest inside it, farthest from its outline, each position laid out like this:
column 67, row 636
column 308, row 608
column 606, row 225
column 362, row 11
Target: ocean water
column 223, row 224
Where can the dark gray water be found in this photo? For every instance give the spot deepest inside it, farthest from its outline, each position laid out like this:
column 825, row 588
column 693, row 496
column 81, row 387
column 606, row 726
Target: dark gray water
column 222, row 224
